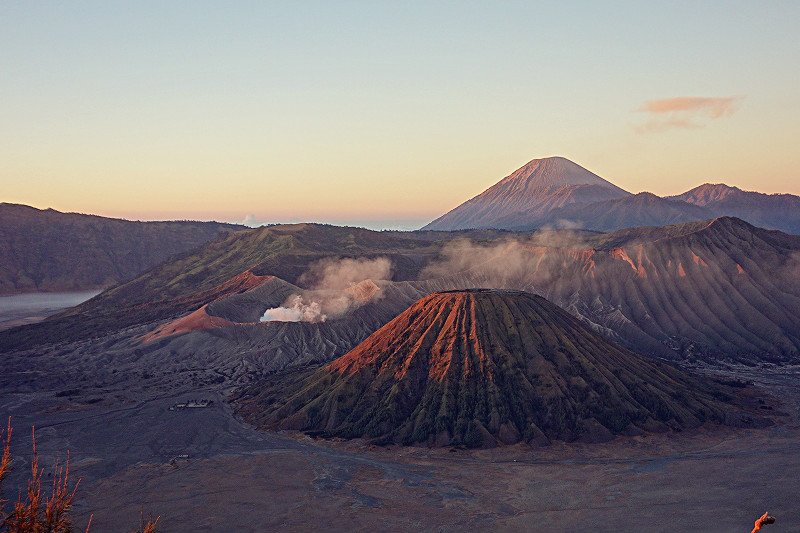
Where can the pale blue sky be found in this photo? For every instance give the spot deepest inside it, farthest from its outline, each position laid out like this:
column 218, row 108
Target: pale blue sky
column 365, row 111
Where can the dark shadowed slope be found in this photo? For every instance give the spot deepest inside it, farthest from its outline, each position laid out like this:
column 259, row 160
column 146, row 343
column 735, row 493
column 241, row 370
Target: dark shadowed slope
column 775, row 211
column 643, row 209
column 46, row 250
column 529, row 193
column 481, row 366
column 726, row 289
column 711, row 289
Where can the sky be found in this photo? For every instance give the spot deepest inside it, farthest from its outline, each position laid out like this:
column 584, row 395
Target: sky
column 384, row 114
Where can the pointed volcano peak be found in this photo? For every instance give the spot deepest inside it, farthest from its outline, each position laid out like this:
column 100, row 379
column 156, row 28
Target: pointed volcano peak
column 483, row 366
column 527, row 194
column 555, row 173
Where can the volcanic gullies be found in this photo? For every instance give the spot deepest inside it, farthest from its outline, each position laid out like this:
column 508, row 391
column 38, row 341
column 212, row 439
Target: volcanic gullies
column 477, row 367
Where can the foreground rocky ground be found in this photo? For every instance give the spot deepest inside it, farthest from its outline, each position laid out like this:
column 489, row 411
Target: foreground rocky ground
column 203, row 470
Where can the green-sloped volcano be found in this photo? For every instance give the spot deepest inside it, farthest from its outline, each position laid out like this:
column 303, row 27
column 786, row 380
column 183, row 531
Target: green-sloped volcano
column 478, row 367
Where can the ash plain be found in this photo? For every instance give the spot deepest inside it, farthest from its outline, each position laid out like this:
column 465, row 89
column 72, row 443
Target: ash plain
column 202, row 469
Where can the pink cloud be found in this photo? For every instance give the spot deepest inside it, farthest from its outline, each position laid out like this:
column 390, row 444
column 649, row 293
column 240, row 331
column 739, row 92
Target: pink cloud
column 684, row 112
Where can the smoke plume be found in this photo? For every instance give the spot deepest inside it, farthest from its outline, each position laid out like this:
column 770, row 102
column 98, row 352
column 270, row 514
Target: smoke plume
column 497, row 260
column 339, row 274
column 502, row 265
column 295, row 309
column 337, row 286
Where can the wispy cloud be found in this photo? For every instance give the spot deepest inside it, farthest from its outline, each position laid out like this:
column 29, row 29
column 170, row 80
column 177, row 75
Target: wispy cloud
column 251, row 221
column 685, row 112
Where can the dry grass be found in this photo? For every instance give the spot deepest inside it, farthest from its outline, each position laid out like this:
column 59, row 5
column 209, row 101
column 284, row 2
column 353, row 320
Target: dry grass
column 5, row 465
column 148, row 526
column 38, row 512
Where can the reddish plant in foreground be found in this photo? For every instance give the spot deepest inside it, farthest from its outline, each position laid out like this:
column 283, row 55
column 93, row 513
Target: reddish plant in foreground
column 38, row 512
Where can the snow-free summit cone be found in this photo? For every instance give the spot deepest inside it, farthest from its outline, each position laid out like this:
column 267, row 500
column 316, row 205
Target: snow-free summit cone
column 481, row 367
column 530, row 192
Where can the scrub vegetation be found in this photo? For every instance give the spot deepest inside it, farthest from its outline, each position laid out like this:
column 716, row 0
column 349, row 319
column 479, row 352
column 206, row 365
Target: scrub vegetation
column 39, row 509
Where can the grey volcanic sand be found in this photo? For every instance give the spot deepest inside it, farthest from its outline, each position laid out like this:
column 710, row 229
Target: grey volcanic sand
column 127, row 449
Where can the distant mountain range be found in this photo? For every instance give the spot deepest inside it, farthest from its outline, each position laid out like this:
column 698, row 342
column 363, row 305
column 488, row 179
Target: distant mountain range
column 715, row 289
column 48, row 251
column 555, row 192
column 773, row 211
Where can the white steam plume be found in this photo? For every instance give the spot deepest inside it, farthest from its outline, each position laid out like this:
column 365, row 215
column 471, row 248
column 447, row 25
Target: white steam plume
column 339, row 274
column 339, row 286
column 295, row 310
